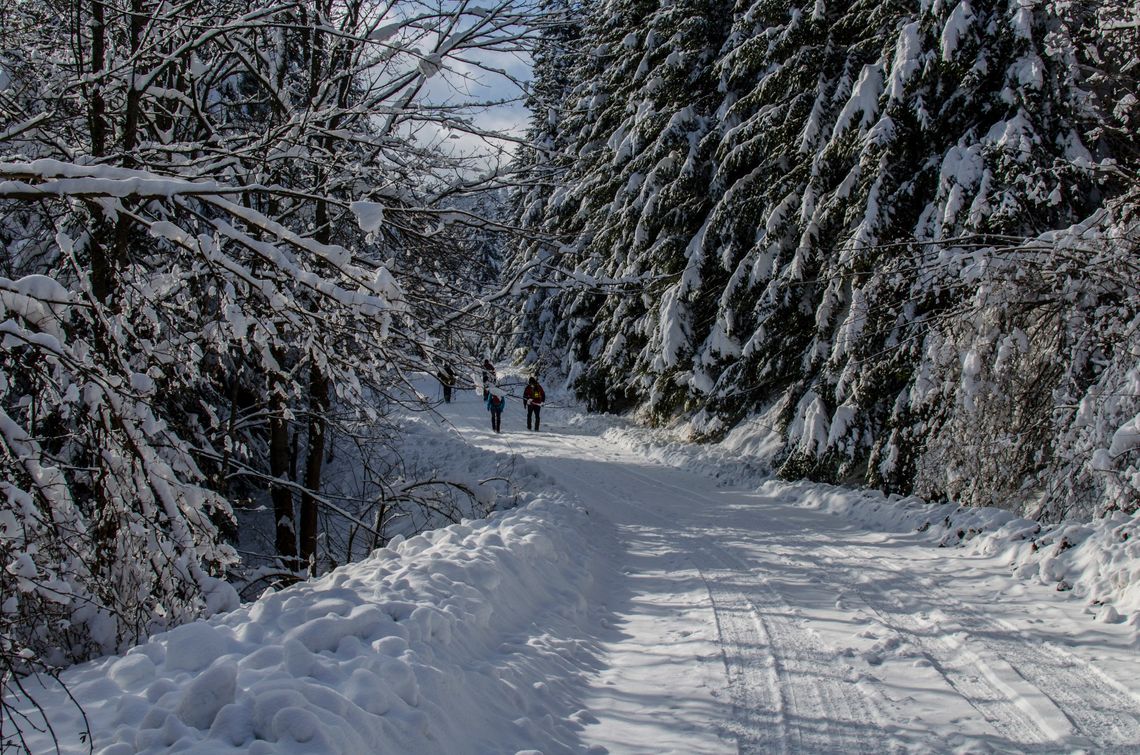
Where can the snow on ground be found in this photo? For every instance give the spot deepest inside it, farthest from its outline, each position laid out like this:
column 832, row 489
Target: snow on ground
column 430, row 645
column 1099, row 562
column 641, row 603
column 470, row 484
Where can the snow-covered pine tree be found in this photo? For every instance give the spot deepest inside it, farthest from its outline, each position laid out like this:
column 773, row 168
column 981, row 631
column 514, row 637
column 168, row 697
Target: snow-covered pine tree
column 883, row 124
column 1018, row 377
column 785, row 73
column 633, row 197
column 540, row 165
column 862, row 158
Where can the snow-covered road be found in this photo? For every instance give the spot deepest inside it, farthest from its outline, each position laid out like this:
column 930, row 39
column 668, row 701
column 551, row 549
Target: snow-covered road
column 743, row 620
column 638, row 603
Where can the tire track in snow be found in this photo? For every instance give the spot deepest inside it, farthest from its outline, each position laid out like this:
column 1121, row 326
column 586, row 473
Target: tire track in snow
column 819, row 709
column 753, row 677
column 1032, row 693
column 1091, row 705
column 756, row 691
column 1123, row 720
column 787, row 689
column 962, row 671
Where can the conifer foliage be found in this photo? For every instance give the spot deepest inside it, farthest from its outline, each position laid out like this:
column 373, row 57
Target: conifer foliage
column 901, row 231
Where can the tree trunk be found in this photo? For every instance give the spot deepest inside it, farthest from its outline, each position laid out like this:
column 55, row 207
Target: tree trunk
column 314, row 456
column 129, row 139
column 318, row 380
column 102, row 270
column 97, row 113
column 281, row 494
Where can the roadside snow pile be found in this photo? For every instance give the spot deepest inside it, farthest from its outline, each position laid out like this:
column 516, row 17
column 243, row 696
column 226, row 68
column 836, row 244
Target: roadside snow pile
column 1099, row 562
column 727, row 465
column 423, row 647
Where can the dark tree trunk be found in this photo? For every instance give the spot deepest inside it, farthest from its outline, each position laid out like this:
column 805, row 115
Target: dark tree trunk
column 318, row 380
column 97, row 114
column 102, row 270
column 281, row 494
column 314, row 456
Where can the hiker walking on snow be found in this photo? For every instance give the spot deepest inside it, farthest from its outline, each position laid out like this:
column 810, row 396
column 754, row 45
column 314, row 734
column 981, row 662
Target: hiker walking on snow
column 489, row 377
column 533, row 399
column 447, row 380
column 495, row 401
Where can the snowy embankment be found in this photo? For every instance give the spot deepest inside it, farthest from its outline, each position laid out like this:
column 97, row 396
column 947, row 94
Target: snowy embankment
column 425, row 646
column 1098, row 563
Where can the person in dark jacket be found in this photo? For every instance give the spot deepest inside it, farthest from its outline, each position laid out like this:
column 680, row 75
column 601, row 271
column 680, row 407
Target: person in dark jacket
column 489, row 377
column 496, row 400
column 447, row 380
column 533, row 398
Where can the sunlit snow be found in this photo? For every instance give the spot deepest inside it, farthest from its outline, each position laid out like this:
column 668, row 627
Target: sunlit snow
column 653, row 596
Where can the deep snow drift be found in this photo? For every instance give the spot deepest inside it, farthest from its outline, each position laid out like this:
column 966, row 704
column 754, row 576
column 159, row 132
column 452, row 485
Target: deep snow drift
column 652, row 596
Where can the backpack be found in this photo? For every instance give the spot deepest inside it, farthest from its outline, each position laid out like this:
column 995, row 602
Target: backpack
column 496, row 402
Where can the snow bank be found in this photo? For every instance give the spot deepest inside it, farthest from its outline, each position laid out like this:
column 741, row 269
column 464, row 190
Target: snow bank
column 1099, row 562
column 728, row 465
column 1096, row 562
column 423, row 647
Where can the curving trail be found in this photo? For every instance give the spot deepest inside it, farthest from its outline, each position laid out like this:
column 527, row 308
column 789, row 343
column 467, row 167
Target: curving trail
column 749, row 623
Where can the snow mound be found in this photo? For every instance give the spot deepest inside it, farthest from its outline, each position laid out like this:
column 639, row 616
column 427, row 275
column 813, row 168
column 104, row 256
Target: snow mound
column 1098, row 561
column 424, row 646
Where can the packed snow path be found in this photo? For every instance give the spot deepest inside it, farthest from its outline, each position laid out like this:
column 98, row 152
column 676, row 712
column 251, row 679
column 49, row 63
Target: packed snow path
column 746, row 621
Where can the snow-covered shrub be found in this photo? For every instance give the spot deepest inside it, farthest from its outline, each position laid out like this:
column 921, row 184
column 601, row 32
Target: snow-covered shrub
column 106, row 530
column 985, row 386
column 1026, row 392
column 1097, row 464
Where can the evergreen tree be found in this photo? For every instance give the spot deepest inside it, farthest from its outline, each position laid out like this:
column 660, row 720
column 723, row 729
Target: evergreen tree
column 860, row 179
column 540, row 167
column 633, row 197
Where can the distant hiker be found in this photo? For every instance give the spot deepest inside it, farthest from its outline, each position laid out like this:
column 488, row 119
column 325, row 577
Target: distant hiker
column 489, row 377
column 447, row 380
column 533, row 398
column 495, row 401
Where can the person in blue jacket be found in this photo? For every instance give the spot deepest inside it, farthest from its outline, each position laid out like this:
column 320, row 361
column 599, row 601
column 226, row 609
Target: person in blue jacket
column 495, row 401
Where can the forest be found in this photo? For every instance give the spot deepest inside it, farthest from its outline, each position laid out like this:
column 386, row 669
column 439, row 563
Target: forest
column 898, row 239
